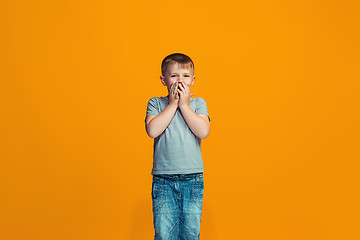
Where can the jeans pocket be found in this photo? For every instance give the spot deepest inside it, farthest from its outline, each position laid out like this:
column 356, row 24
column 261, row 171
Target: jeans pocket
column 198, row 191
column 158, row 193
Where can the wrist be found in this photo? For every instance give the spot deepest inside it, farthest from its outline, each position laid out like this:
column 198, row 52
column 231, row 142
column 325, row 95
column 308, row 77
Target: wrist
column 173, row 105
column 183, row 105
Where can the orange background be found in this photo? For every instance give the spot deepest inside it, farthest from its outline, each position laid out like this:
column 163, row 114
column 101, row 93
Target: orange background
column 281, row 82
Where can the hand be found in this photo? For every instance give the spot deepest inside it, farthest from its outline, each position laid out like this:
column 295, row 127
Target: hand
column 184, row 93
column 173, row 94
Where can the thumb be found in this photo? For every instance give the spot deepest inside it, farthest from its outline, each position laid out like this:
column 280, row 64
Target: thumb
column 191, row 95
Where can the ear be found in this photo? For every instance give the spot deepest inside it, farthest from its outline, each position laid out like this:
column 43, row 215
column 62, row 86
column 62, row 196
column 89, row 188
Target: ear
column 192, row 82
column 163, row 80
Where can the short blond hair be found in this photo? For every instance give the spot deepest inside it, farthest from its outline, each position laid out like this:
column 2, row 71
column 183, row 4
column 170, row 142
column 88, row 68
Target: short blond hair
column 179, row 58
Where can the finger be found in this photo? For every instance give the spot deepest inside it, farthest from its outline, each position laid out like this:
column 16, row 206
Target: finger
column 184, row 85
column 181, row 87
column 173, row 88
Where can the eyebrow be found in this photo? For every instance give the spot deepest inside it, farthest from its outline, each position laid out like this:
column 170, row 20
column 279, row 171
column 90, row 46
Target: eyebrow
column 176, row 73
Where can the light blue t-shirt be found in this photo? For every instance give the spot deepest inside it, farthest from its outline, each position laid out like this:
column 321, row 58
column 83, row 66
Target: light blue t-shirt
column 177, row 149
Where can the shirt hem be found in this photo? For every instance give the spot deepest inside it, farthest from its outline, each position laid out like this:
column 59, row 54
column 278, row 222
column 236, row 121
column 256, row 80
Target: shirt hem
column 197, row 170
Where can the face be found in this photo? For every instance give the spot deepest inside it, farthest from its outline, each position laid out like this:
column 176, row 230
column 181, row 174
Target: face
column 175, row 74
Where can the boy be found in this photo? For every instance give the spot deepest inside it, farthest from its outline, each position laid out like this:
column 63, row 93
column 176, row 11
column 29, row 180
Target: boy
column 177, row 123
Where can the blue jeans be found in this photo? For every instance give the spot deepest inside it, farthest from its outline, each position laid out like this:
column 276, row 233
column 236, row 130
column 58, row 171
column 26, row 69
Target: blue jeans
column 177, row 205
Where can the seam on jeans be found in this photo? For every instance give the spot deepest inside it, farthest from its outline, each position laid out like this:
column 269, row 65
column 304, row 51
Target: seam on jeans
column 188, row 231
column 195, row 198
column 163, row 196
column 165, row 213
column 172, row 229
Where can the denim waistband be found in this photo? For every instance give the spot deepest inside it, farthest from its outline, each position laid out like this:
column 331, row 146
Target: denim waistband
column 179, row 176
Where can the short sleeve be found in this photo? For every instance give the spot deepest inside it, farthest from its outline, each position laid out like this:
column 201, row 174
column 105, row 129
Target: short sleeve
column 152, row 107
column 201, row 107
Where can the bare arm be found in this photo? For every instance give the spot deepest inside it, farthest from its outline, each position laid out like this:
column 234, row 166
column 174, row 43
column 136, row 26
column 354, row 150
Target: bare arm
column 155, row 125
column 199, row 124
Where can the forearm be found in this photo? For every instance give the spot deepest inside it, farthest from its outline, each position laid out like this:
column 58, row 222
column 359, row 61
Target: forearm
column 159, row 123
column 197, row 124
